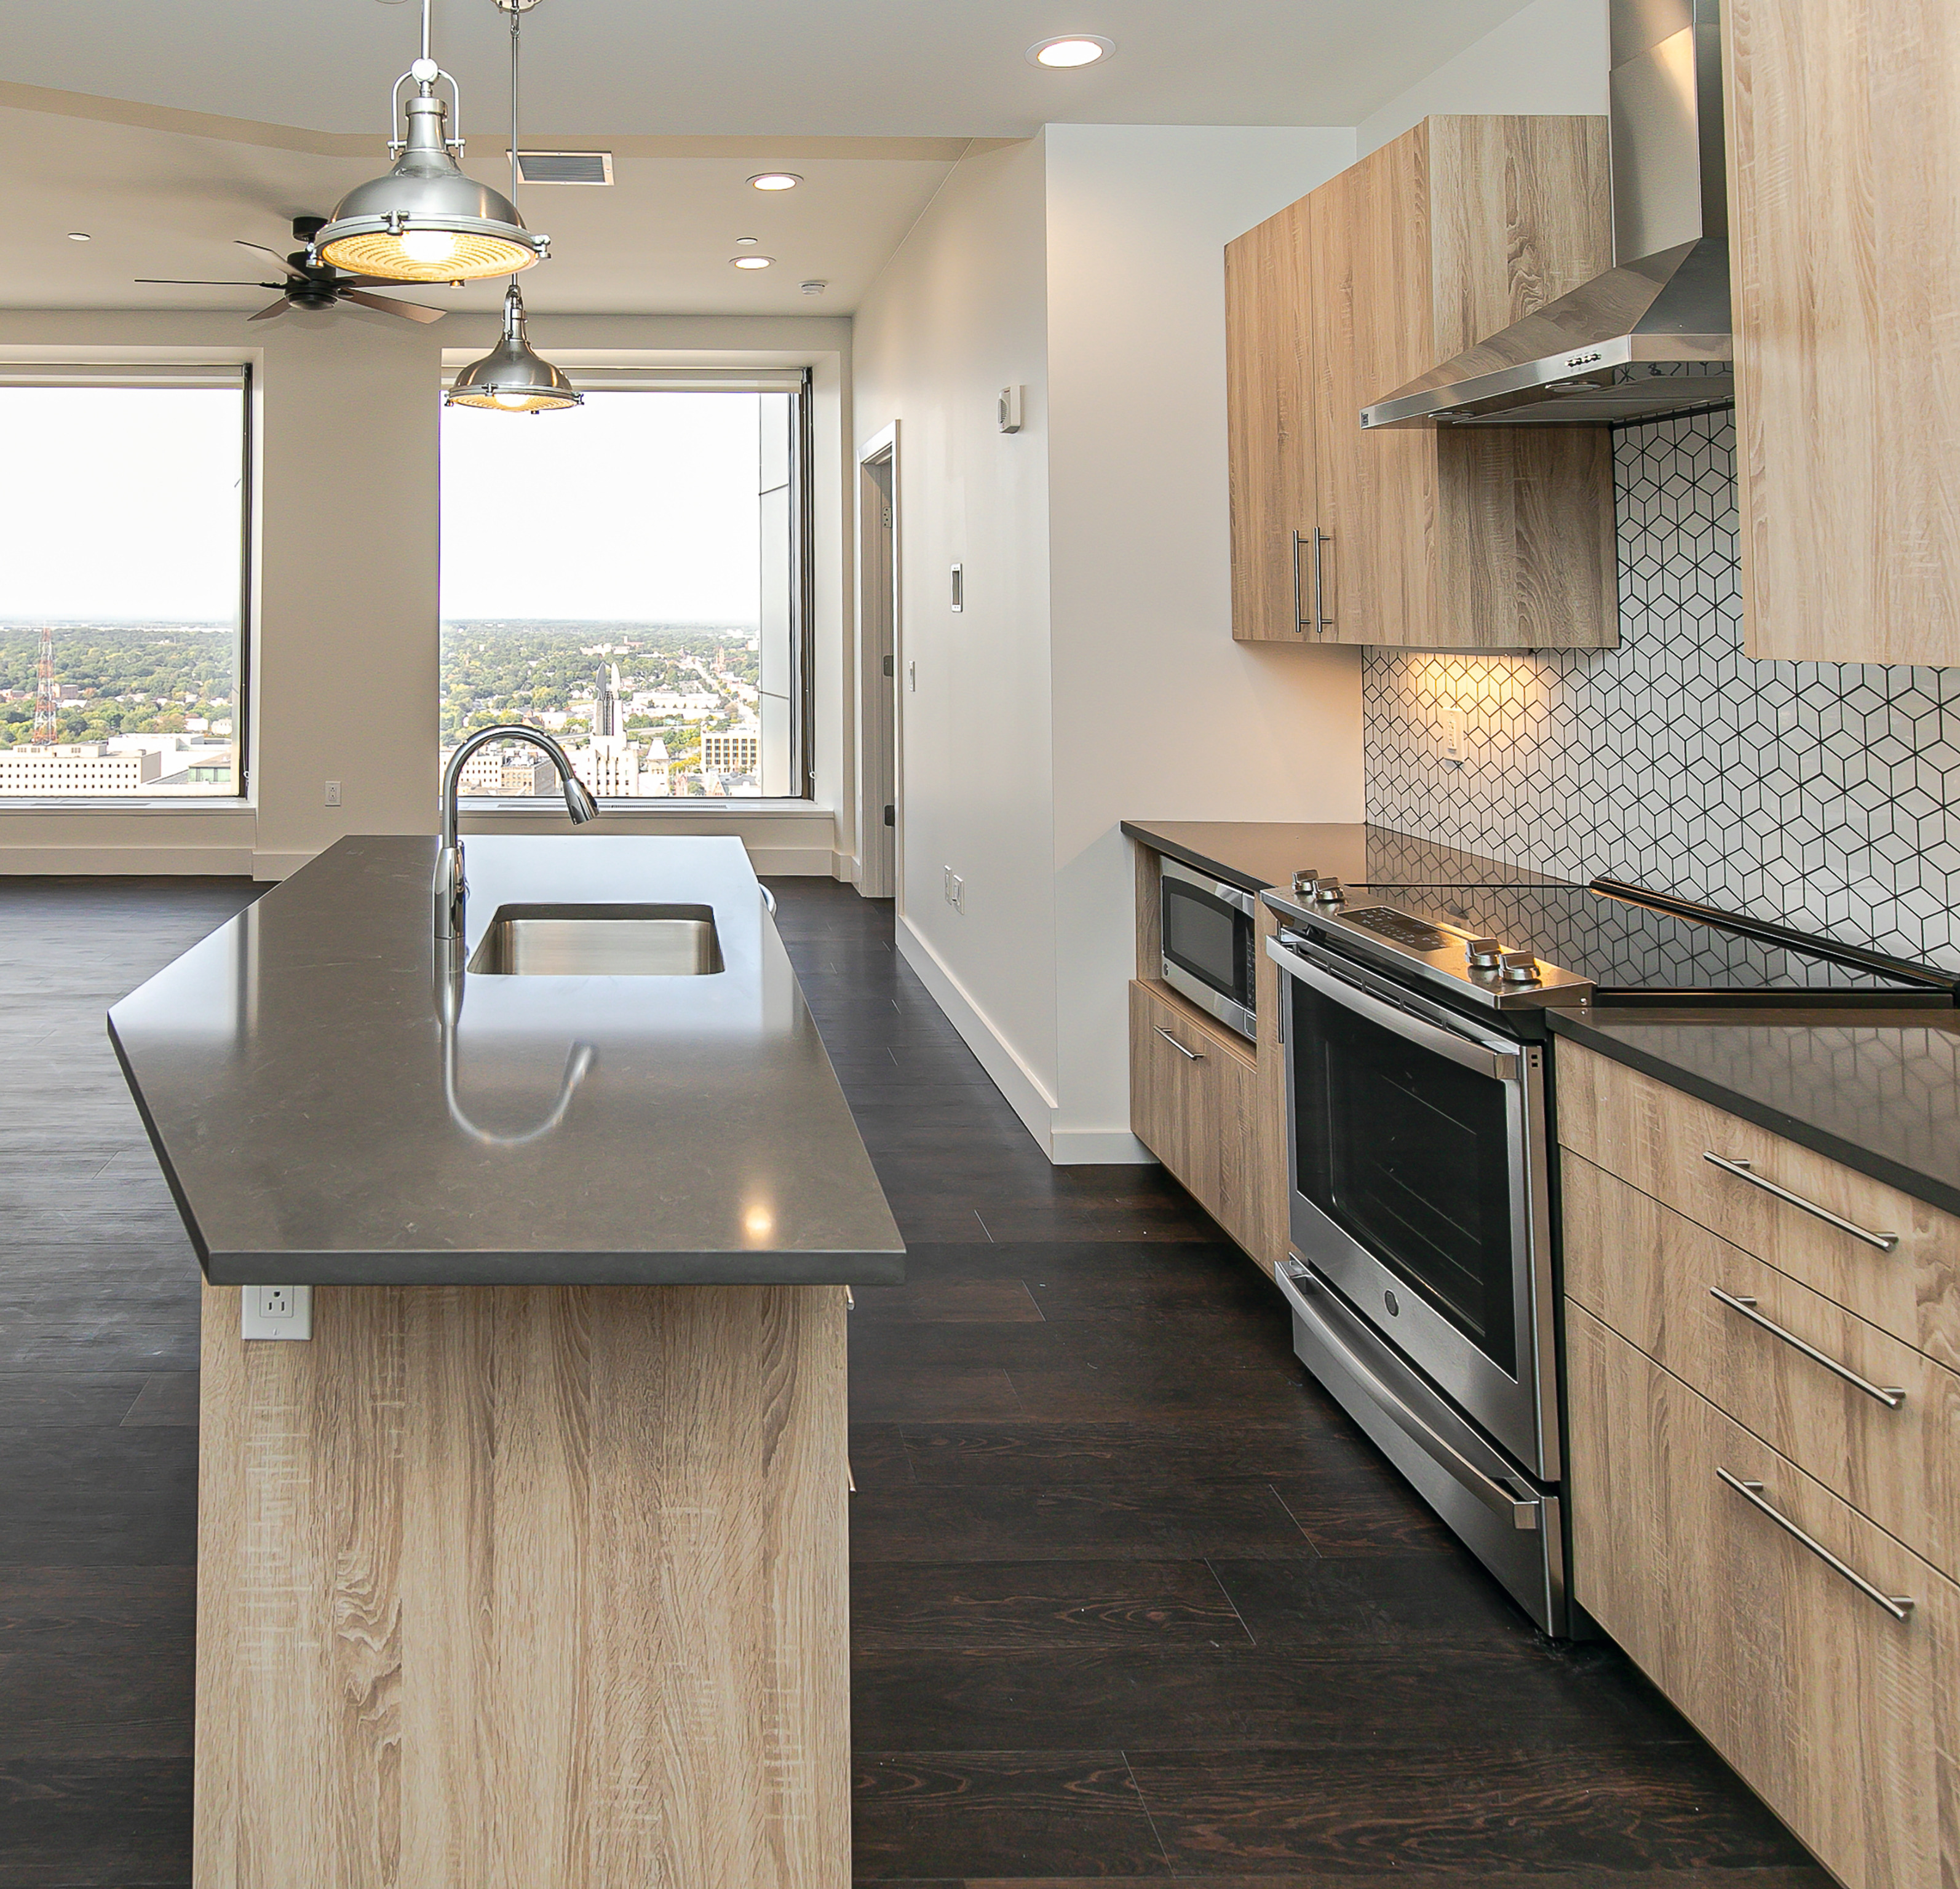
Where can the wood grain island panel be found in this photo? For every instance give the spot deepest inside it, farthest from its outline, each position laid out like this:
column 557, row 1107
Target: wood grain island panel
column 524, row 1586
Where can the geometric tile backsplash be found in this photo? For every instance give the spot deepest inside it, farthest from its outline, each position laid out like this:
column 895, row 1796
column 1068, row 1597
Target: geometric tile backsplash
column 1825, row 795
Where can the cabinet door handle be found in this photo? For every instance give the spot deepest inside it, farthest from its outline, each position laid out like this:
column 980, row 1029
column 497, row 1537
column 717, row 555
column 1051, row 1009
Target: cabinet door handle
column 1298, row 621
column 1321, row 620
column 1190, row 1055
column 1890, row 1396
column 1897, row 1605
column 1743, row 1171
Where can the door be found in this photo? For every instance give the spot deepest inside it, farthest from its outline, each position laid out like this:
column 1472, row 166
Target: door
column 878, row 659
column 1368, row 329
column 1270, row 428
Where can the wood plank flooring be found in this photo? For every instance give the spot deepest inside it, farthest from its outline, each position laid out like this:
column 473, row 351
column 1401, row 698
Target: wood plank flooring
column 1133, row 1602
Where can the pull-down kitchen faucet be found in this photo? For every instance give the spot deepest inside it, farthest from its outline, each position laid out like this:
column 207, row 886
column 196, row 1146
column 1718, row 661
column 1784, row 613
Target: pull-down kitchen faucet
column 450, row 889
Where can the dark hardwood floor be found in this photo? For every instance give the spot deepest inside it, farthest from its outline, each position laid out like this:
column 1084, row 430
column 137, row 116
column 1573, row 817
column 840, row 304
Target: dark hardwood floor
column 1131, row 1600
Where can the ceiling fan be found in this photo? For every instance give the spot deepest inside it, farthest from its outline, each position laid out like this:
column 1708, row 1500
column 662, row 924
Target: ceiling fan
column 310, row 284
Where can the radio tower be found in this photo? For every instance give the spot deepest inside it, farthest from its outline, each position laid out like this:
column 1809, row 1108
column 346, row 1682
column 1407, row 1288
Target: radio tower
column 47, row 697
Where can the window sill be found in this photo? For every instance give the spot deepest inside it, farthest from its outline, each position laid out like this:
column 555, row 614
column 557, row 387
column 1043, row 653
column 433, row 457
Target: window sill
column 229, row 803
column 704, row 805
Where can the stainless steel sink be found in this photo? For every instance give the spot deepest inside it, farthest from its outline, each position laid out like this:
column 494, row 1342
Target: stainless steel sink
column 599, row 941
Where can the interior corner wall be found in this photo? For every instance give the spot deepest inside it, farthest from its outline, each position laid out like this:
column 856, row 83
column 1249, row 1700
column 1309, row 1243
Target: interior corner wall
column 1552, row 57
column 1157, row 713
column 957, row 314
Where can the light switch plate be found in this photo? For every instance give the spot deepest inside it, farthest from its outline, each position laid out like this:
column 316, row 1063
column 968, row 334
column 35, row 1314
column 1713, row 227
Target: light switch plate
column 1451, row 722
column 275, row 1312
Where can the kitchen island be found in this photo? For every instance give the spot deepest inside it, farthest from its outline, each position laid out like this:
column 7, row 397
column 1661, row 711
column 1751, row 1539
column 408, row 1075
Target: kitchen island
column 530, row 1565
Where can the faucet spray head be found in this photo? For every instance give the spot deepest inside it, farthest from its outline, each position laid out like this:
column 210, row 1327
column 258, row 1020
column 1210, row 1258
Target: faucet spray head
column 578, row 801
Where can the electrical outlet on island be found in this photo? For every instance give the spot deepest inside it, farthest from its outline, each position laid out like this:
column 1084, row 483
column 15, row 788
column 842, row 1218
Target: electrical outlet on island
column 275, row 1312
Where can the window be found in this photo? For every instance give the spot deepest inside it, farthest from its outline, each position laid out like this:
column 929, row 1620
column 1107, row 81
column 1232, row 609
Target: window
column 124, row 506
column 629, row 576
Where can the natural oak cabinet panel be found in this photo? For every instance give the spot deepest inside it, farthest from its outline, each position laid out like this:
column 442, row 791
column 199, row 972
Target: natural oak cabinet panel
column 1845, row 1719
column 1445, row 539
column 1194, row 1099
column 1844, row 221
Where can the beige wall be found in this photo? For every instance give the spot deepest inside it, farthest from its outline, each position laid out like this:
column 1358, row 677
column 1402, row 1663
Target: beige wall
column 1092, row 675
column 344, row 643
column 959, row 313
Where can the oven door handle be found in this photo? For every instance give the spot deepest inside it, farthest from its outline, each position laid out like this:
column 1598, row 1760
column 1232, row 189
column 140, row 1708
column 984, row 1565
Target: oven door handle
column 1521, row 1515
column 1496, row 1064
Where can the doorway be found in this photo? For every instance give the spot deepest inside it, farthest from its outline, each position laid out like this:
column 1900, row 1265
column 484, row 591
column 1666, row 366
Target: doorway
column 880, row 793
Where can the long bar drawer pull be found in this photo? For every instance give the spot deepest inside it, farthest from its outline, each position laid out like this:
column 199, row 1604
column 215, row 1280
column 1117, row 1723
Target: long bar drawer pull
column 1743, row 1170
column 1191, row 1055
column 1897, row 1605
column 1890, row 1395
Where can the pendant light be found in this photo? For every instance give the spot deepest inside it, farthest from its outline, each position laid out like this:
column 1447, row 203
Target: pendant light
column 511, row 377
column 425, row 221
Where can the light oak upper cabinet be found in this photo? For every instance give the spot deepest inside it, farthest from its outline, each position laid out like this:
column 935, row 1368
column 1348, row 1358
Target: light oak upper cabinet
column 1844, row 235
column 1489, row 537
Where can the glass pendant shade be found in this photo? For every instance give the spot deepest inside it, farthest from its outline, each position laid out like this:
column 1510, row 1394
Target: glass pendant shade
column 425, row 221
column 511, row 377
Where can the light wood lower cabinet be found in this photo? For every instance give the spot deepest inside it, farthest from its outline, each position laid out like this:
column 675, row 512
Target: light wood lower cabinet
column 1775, row 1355
column 1845, row 1719
column 1193, row 1103
column 1657, row 1139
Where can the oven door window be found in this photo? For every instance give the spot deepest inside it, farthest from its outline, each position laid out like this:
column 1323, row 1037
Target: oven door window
column 1209, row 939
column 1409, row 1154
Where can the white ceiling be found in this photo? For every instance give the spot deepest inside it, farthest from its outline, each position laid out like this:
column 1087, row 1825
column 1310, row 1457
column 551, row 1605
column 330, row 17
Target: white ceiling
column 836, row 67
column 167, row 129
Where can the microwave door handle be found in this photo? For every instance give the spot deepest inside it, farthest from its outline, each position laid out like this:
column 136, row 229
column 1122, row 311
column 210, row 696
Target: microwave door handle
column 1521, row 1513
column 1496, row 1064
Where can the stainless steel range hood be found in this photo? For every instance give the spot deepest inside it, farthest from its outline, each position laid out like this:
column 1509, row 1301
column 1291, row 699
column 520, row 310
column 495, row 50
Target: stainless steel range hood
column 1652, row 335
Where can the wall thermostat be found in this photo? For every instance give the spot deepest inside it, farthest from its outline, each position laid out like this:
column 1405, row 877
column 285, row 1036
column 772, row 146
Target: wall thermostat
column 1010, row 409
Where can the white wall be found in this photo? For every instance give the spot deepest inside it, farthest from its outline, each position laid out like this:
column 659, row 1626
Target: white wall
column 959, row 313
column 1158, row 714
column 1092, row 675
column 344, row 657
column 1551, row 57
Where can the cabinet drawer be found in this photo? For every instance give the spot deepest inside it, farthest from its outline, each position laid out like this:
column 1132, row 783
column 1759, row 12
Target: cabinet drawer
column 1652, row 1276
column 1844, row 1718
column 1659, row 1138
column 1193, row 1098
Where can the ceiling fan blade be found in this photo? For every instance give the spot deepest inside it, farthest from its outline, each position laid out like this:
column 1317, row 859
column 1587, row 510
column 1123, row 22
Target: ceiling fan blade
column 297, row 275
column 198, row 281
column 278, row 307
column 414, row 311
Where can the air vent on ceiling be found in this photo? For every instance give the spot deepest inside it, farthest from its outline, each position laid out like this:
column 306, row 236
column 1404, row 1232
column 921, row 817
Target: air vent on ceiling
column 565, row 167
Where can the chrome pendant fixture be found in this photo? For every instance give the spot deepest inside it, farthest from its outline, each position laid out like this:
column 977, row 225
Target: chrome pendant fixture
column 425, row 221
column 511, row 377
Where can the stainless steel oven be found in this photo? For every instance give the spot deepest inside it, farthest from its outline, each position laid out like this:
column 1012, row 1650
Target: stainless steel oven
column 1422, row 1284
column 1209, row 945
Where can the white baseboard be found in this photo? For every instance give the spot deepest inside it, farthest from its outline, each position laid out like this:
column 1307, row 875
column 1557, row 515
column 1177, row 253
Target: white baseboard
column 791, row 862
column 1026, row 1095
column 174, row 862
column 1087, row 1147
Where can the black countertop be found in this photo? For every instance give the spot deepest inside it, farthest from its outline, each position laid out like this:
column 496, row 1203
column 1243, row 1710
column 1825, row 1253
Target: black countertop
column 321, row 1122
column 1255, row 854
column 1877, row 1090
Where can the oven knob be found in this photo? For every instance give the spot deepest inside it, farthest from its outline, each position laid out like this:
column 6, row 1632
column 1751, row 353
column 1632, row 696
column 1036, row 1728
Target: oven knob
column 1327, row 892
column 1518, row 967
column 1304, row 883
column 1484, row 954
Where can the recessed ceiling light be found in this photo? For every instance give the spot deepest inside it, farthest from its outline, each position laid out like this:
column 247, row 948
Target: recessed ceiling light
column 80, row 236
column 775, row 180
column 752, row 262
column 747, row 242
column 1071, row 48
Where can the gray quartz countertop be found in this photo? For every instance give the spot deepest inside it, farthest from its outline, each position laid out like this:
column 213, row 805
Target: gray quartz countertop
column 1255, row 854
column 1878, row 1091
column 321, row 1122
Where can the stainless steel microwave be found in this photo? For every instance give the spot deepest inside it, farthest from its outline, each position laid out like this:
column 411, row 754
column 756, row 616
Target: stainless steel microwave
column 1210, row 947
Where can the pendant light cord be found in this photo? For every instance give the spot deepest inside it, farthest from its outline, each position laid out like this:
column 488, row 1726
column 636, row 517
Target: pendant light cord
column 517, row 15
column 426, row 5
